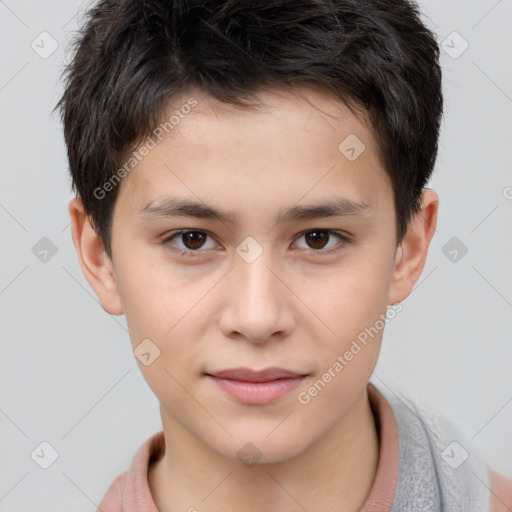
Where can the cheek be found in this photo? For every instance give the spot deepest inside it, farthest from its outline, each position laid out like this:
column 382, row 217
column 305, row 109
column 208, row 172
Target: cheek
column 167, row 308
column 158, row 298
column 352, row 299
column 346, row 359
column 352, row 306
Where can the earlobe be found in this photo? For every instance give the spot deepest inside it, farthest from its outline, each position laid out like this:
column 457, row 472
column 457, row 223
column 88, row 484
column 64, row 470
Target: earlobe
column 94, row 262
column 412, row 252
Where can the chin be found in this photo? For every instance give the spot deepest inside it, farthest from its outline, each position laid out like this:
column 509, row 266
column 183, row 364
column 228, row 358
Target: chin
column 258, row 449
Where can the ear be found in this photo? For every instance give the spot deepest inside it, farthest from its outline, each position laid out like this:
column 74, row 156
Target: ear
column 94, row 262
column 412, row 252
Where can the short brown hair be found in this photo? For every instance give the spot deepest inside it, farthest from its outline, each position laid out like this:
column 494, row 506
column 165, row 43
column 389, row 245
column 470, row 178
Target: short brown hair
column 132, row 57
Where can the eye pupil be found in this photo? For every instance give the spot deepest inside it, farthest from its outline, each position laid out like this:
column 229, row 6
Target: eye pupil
column 317, row 239
column 193, row 239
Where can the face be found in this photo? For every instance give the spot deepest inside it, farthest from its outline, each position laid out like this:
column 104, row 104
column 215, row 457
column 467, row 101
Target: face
column 284, row 260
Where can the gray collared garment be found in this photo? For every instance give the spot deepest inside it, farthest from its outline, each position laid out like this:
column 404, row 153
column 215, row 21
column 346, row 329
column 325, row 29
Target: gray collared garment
column 439, row 469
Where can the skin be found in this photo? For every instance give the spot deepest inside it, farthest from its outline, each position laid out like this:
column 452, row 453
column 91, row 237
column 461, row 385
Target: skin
column 295, row 307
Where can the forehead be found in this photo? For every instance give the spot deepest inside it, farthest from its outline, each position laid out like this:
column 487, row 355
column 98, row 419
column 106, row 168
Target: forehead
column 293, row 141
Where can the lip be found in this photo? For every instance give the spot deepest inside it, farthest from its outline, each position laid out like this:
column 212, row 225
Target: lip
column 256, row 387
column 248, row 375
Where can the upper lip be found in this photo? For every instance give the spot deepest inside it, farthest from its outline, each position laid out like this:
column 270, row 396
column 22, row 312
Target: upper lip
column 249, row 375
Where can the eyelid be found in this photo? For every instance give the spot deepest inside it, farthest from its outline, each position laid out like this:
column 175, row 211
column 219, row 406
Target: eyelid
column 344, row 237
column 167, row 239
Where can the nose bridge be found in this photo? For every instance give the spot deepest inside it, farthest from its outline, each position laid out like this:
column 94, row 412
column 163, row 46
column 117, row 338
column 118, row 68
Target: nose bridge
column 252, row 267
column 256, row 287
column 256, row 279
column 257, row 305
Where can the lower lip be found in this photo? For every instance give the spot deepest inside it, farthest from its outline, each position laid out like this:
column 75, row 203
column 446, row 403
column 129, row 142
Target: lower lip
column 257, row 393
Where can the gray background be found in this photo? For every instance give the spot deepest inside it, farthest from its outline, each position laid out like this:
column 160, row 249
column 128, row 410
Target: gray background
column 68, row 376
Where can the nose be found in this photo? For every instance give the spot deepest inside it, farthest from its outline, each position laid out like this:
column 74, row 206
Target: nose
column 258, row 303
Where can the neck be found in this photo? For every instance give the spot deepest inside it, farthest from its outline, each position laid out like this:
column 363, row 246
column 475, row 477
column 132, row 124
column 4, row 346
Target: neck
column 334, row 473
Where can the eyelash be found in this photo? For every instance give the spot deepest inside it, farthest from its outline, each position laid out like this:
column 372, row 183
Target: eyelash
column 316, row 252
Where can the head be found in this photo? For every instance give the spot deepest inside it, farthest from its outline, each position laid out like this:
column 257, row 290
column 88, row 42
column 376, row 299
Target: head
column 305, row 133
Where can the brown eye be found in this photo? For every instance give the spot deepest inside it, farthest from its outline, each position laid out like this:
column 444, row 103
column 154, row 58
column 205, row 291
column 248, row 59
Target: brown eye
column 317, row 239
column 189, row 242
column 322, row 241
column 193, row 239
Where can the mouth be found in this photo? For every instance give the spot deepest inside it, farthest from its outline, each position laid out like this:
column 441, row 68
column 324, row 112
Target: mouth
column 256, row 387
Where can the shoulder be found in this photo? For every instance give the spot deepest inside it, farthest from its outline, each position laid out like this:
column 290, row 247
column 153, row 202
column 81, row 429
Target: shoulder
column 501, row 492
column 112, row 501
column 435, row 436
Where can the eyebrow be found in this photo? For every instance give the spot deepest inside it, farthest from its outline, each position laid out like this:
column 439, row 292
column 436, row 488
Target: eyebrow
column 176, row 207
